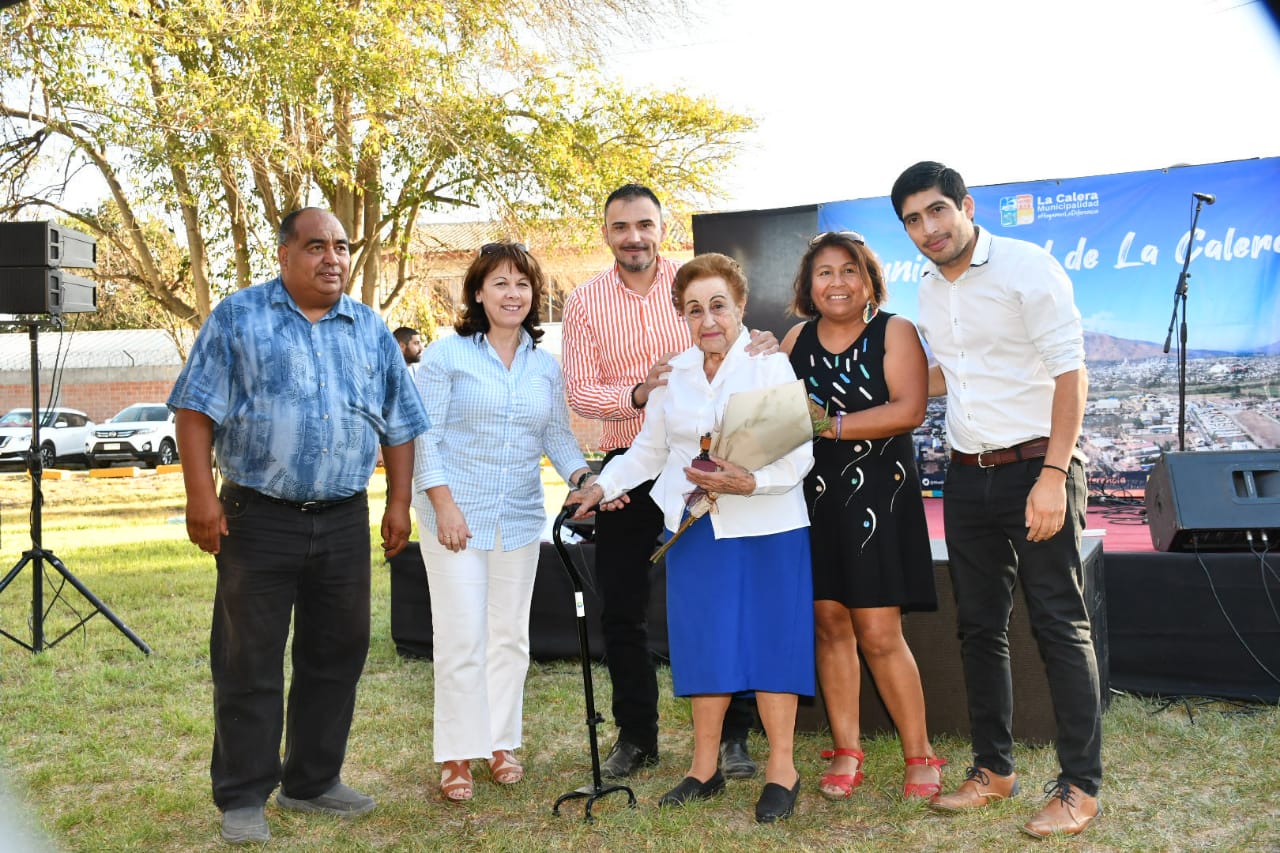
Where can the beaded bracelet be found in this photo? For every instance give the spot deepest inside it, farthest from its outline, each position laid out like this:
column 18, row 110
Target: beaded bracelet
column 839, row 424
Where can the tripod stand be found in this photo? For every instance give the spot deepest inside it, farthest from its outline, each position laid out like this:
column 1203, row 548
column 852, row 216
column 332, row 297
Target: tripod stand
column 38, row 555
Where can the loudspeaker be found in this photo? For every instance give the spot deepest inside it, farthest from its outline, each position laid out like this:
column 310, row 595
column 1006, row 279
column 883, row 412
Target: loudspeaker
column 1214, row 500
column 45, row 290
column 45, row 244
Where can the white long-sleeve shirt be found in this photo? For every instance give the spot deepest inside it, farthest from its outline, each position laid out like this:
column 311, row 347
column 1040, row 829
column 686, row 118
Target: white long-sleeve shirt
column 679, row 414
column 1001, row 332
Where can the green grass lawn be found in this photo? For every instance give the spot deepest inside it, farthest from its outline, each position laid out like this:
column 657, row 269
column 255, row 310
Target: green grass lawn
column 107, row 749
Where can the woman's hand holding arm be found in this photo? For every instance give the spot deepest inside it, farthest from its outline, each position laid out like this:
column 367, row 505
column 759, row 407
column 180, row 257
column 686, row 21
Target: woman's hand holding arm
column 585, row 498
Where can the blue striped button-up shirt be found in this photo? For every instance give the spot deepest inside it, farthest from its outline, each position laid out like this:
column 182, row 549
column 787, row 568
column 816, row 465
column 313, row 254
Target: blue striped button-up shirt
column 490, row 427
column 299, row 408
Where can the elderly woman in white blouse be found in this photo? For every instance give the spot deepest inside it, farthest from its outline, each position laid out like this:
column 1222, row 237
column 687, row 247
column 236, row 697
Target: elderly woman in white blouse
column 739, row 586
column 496, row 404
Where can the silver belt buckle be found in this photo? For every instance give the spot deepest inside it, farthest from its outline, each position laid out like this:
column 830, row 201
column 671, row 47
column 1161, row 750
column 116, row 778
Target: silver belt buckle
column 980, row 462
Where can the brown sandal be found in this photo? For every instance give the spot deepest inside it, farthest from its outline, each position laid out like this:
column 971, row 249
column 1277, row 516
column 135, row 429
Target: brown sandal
column 456, row 785
column 504, row 768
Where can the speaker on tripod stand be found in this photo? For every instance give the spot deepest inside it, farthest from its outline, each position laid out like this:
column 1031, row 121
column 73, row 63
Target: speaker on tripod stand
column 34, row 288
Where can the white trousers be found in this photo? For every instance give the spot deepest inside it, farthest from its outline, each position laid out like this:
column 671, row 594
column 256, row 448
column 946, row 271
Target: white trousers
column 480, row 633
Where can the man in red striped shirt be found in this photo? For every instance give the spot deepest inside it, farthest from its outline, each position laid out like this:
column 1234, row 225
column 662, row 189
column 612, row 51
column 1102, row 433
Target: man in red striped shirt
column 620, row 330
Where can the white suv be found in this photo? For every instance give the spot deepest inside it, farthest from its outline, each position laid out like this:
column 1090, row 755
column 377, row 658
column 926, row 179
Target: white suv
column 142, row 431
column 62, row 434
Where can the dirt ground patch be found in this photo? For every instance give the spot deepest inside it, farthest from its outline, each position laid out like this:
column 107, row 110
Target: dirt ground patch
column 1262, row 428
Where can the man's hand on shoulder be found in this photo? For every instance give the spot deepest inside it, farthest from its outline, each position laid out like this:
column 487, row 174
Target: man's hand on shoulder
column 762, row 342
column 654, row 379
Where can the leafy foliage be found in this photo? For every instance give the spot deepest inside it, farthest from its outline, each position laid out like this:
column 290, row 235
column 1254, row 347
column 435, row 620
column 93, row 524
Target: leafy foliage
column 216, row 117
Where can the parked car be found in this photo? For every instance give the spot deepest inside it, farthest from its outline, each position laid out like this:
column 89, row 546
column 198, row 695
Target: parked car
column 143, row 431
column 62, row 435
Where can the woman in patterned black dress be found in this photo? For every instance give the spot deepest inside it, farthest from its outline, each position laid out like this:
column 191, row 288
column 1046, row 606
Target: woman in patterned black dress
column 869, row 539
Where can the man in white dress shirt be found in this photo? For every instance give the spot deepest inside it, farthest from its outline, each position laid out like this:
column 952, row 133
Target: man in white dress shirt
column 1001, row 321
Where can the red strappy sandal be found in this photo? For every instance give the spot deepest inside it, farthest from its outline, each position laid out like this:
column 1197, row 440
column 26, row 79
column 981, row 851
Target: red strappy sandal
column 843, row 783
column 924, row 790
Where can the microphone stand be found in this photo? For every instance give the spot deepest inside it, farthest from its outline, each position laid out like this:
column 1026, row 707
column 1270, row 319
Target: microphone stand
column 1180, row 304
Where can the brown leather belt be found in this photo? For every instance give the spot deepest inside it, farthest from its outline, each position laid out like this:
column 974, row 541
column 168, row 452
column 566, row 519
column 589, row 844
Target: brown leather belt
column 1036, row 448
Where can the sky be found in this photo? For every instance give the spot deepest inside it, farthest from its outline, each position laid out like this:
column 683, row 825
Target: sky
column 848, row 93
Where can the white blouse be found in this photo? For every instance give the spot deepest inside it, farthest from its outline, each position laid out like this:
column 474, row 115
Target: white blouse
column 677, row 415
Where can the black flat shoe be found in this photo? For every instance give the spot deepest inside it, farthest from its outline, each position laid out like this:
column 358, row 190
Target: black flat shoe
column 776, row 802
column 691, row 789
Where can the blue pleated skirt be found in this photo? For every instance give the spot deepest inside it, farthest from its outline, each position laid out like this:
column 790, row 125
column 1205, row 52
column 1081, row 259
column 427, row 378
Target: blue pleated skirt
column 740, row 612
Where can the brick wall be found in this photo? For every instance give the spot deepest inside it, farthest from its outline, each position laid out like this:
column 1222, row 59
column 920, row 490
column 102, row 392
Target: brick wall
column 587, row 431
column 99, row 400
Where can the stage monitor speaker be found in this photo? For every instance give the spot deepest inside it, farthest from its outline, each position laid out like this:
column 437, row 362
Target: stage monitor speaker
column 45, row 244
column 1214, row 500
column 45, row 290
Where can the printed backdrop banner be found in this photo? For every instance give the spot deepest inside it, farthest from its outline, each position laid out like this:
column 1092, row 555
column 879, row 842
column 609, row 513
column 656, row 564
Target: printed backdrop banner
column 1123, row 240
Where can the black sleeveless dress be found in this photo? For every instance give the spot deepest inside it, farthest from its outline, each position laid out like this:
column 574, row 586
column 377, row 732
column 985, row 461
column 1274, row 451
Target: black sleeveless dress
column 869, row 539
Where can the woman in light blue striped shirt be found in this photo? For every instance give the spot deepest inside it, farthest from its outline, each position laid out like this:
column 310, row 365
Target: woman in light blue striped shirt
column 496, row 405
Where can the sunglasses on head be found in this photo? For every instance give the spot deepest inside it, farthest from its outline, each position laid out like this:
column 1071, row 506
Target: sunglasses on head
column 852, row 235
column 493, row 248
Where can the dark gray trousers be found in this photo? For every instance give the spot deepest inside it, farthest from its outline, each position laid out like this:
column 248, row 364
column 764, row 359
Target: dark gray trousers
column 277, row 563
column 984, row 512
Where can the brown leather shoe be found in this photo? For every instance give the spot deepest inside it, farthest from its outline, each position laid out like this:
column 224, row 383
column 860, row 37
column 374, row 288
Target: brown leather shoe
column 980, row 787
column 1068, row 812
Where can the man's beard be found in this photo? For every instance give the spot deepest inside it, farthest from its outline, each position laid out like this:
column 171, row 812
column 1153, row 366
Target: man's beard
column 637, row 267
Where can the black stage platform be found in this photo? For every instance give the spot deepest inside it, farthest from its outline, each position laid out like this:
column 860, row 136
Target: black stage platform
column 1164, row 624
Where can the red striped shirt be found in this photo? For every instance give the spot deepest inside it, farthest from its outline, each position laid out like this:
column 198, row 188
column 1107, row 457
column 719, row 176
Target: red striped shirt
column 612, row 336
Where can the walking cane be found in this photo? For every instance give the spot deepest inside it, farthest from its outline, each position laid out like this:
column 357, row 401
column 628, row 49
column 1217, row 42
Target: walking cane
column 596, row 789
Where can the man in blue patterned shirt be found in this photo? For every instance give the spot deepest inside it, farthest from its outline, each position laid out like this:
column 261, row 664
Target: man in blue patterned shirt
column 295, row 385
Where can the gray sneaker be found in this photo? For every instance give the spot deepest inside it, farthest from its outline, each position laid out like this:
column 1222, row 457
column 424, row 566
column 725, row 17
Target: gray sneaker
column 339, row 801
column 240, row 826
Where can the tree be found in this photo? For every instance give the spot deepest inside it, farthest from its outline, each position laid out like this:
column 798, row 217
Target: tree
column 213, row 118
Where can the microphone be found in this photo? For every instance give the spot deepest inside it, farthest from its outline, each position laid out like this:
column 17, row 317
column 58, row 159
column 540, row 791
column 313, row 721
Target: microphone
column 1207, row 198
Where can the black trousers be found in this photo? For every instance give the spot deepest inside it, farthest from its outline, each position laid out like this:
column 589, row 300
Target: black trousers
column 625, row 539
column 985, row 516
column 278, row 562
